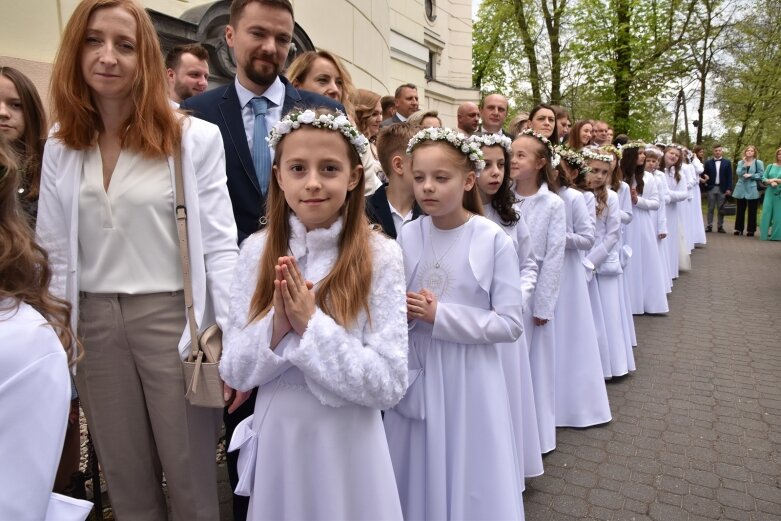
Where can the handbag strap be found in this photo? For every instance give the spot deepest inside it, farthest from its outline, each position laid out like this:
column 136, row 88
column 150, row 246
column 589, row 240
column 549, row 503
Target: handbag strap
column 184, row 250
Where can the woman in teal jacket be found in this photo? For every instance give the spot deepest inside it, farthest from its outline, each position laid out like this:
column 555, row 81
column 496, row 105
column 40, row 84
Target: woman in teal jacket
column 771, row 207
column 750, row 170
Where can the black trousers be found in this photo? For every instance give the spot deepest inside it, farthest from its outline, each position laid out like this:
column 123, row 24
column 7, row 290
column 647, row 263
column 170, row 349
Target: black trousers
column 741, row 212
column 240, row 503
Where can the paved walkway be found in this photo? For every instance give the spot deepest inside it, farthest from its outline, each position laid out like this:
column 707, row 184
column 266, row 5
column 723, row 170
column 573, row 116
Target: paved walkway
column 696, row 430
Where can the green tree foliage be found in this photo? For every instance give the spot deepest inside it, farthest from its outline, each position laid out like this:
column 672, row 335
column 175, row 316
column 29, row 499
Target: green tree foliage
column 748, row 94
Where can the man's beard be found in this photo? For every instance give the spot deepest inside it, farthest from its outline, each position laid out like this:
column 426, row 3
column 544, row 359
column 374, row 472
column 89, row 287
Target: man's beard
column 183, row 91
column 261, row 78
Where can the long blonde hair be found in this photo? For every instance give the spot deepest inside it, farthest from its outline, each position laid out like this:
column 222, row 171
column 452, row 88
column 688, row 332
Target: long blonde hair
column 344, row 292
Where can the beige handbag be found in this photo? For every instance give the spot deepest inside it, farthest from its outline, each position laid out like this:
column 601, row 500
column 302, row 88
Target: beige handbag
column 202, row 382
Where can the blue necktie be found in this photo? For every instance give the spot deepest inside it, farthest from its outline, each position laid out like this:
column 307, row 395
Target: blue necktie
column 260, row 152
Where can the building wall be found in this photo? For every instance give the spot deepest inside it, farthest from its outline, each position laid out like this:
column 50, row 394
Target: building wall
column 384, row 43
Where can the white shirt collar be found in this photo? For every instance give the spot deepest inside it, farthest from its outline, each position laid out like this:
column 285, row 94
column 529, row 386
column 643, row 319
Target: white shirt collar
column 402, row 118
column 275, row 93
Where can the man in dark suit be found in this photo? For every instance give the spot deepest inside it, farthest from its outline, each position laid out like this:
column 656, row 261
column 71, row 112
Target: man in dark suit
column 406, row 100
column 259, row 32
column 718, row 185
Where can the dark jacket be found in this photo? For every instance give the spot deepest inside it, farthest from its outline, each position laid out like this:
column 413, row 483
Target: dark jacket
column 378, row 211
column 221, row 107
column 725, row 174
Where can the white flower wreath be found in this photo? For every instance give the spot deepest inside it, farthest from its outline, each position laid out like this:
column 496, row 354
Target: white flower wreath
column 631, row 144
column 335, row 121
column 456, row 139
column 573, row 158
column 592, row 154
column 555, row 159
column 489, row 140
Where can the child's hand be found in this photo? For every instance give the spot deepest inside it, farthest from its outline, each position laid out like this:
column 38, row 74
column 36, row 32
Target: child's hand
column 421, row 306
column 281, row 323
column 540, row 321
column 297, row 295
column 634, row 195
column 662, row 235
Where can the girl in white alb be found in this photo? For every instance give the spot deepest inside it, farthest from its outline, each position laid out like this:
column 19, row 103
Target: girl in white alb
column 652, row 157
column 498, row 200
column 318, row 323
column 604, row 260
column 676, row 184
column 544, row 214
column 452, row 437
column 581, row 396
column 645, row 275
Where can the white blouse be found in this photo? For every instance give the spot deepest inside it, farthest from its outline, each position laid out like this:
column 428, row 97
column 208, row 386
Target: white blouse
column 127, row 234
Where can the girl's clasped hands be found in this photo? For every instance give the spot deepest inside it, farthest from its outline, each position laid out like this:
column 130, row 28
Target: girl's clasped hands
column 294, row 299
column 421, row 306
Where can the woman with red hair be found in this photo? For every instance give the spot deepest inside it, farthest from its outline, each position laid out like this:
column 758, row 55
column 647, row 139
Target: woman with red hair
column 106, row 214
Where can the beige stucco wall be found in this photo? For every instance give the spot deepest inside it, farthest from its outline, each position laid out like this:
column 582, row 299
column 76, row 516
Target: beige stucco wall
column 384, row 43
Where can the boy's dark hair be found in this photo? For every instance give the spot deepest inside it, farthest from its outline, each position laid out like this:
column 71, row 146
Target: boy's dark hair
column 392, row 140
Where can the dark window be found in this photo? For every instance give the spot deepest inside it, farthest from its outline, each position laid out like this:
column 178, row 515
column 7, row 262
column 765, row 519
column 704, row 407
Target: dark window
column 431, row 10
column 430, row 70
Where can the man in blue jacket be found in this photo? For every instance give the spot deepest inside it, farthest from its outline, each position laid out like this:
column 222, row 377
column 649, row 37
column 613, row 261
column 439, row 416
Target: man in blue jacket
column 718, row 185
column 260, row 33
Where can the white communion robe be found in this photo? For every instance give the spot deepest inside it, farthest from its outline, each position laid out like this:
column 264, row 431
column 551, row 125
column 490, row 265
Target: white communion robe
column 625, row 205
column 645, row 275
column 35, row 394
column 678, row 194
column 604, row 259
column 515, row 358
column 315, row 448
column 661, row 224
column 546, row 217
column 697, row 228
column 580, row 393
column 451, row 437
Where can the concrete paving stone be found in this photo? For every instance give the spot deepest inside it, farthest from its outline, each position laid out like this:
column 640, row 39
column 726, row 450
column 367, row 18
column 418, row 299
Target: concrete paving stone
column 576, row 490
column 571, row 506
column 734, row 514
column 702, row 506
column 764, row 492
column 610, row 484
column 672, row 484
column 699, row 490
column 665, row 512
column 581, row 478
column 600, row 513
column 625, row 515
column 769, row 507
column 606, row 498
column 735, row 499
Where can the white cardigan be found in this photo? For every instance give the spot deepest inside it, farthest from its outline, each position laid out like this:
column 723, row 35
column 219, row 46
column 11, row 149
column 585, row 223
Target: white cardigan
column 363, row 364
column 211, row 227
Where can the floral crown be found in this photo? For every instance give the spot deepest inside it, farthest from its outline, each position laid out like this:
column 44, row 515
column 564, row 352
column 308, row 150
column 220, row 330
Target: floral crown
column 592, row 154
column 490, row 140
column 573, row 158
column 554, row 157
column 611, row 149
column 329, row 121
column 456, row 139
column 631, row 144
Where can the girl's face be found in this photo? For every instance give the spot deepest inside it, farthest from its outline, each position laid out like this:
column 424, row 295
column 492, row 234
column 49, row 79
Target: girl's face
column 586, row 133
column 543, row 122
column 324, row 78
column 671, row 157
column 599, row 174
column 651, row 163
column 375, row 120
column 11, row 110
column 640, row 158
column 439, row 181
column 492, row 175
column 524, row 162
column 315, row 174
column 109, row 56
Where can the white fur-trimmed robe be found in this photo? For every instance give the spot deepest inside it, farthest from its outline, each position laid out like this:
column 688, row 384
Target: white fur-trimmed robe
column 316, row 433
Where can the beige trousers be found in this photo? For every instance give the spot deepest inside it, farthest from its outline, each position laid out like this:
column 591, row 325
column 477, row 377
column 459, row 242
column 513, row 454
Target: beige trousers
column 132, row 390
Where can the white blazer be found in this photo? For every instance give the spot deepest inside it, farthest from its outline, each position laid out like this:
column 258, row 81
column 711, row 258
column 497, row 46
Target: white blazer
column 211, row 227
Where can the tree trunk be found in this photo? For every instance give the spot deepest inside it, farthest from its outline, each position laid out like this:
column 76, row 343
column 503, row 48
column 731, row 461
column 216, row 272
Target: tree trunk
column 623, row 72
column 528, row 49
